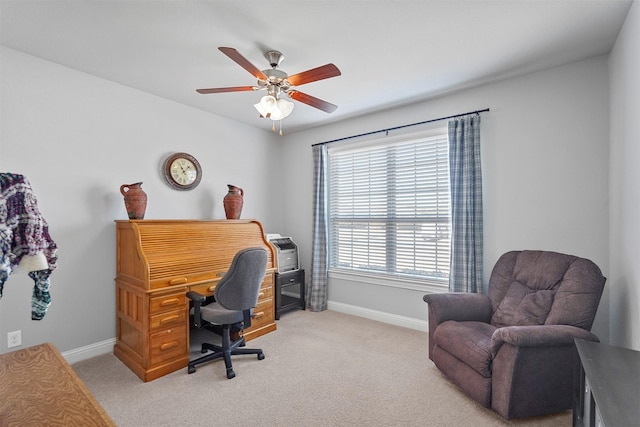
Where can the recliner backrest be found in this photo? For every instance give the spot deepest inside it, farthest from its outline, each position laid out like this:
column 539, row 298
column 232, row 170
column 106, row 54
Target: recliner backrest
column 239, row 288
column 542, row 287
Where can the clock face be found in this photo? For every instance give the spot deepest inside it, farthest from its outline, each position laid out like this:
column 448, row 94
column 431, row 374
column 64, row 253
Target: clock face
column 182, row 171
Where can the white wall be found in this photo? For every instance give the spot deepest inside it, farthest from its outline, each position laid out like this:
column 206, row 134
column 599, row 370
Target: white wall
column 77, row 138
column 545, row 159
column 545, row 168
column 624, row 187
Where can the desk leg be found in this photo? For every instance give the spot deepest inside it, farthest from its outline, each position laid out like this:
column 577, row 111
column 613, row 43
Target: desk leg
column 592, row 409
column 278, row 298
column 578, row 396
column 303, row 286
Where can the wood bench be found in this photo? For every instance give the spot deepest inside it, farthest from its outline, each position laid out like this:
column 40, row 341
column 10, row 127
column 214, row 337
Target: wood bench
column 39, row 388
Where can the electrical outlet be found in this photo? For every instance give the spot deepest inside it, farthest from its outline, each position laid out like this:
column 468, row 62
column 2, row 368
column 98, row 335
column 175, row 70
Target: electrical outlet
column 14, row 339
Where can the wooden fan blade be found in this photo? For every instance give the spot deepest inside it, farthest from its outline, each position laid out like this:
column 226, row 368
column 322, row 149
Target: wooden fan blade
column 312, row 101
column 226, row 89
column 315, row 74
column 243, row 62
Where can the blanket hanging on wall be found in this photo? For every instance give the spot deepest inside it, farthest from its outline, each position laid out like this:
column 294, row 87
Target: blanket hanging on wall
column 24, row 236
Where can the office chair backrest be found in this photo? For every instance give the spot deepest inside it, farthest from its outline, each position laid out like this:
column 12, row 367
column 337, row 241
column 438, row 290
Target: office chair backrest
column 239, row 288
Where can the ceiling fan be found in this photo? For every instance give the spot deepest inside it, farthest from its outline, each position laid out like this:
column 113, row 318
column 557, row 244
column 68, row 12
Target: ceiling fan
column 277, row 82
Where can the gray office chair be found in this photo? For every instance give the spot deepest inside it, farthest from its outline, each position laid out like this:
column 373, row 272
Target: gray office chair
column 235, row 297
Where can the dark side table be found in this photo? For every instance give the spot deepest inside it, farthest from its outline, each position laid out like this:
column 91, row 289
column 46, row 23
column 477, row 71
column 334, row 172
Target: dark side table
column 289, row 291
column 606, row 389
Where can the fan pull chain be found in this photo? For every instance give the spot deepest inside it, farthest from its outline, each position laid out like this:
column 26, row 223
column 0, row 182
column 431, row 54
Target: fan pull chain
column 273, row 127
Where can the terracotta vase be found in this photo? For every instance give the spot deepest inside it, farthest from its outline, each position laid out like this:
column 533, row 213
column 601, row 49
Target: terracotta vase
column 135, row 200
column 233, row 202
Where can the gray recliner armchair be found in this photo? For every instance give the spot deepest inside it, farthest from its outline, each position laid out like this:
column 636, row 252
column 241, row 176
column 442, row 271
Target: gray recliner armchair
column 513, row 350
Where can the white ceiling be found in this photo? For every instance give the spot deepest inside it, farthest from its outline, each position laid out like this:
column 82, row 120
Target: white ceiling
column 390, row 52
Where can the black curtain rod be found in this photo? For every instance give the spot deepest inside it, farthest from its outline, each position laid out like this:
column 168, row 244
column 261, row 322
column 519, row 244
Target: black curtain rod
column 400, row 127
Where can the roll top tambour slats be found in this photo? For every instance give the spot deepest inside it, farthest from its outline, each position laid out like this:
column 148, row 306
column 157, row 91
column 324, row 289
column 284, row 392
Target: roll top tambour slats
column 194, row 250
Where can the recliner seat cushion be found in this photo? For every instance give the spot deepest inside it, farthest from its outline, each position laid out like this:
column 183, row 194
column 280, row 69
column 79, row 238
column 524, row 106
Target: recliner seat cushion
column 470, row 342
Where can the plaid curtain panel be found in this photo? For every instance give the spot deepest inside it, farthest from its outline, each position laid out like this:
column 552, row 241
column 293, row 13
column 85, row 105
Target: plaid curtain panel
column 466, row 205
column 317, row 300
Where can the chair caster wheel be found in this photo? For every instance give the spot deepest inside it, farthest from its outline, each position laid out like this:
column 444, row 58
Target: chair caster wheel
column 260, row 356
column 230, row 374
column 191, row 369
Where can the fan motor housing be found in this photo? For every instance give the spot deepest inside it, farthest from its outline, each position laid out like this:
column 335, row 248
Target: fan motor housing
column 274, row 57
column 276, row 78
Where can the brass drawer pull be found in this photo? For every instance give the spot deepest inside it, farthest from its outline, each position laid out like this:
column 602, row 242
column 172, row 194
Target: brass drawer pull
column 211, row 288
column 169, row 319
column 221, row 273
column 169, row 345
column 258, row 314
column 178, row 281
column 171, row 301
column 260, row 295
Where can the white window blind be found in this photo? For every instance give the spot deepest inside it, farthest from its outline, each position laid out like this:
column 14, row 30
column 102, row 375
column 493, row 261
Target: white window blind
column 389, row 208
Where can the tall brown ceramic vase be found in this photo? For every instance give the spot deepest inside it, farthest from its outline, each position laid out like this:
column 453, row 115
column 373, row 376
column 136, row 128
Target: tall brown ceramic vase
column 233, row 202
column 135, row 200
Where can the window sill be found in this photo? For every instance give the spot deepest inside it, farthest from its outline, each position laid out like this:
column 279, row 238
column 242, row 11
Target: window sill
column 431, row 286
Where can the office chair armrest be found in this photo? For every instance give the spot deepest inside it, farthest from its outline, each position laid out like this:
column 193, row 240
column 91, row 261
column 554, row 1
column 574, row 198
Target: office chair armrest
column 247, row 315
column 197, row 300
column 196, row 297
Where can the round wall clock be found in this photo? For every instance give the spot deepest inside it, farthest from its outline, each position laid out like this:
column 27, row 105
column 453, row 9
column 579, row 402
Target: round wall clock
column 182, row 171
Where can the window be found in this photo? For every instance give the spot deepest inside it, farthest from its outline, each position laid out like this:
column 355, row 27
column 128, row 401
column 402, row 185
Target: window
column 389, row 208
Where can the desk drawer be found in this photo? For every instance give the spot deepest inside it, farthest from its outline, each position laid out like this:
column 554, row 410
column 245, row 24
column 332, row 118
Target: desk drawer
column 168, row 344
column 167, row 302
column 266, row 288
column 263, row 314
column 268, row 280
column 290, row 278
column 168, row 320
column 205, row 289
column 265, row 293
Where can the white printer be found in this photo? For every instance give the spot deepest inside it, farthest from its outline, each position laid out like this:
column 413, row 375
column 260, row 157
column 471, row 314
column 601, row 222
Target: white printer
column 287, row 252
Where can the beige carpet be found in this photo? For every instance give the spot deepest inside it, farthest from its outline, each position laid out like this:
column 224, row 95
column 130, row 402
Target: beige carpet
column 321, row 369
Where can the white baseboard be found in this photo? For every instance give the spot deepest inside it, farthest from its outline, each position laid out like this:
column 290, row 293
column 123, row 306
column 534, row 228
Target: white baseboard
column 380, row 316
column 106, row 346
column 89, row 351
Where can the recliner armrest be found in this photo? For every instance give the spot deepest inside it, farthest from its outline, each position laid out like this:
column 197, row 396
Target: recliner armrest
column 459, row 306
column 455, row 306
column 538, row 336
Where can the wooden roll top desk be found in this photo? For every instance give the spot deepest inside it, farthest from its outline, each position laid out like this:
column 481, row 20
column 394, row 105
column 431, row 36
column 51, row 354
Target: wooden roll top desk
column 157, row 263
